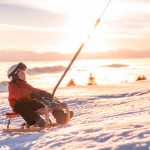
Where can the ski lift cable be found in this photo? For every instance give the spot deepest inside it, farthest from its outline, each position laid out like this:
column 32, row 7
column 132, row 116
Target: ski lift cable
column 80, row 48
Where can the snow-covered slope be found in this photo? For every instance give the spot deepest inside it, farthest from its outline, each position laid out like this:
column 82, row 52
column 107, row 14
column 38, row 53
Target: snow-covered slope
column 105, row 117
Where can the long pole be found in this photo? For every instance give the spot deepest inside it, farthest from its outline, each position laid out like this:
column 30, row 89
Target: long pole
column 78, row 51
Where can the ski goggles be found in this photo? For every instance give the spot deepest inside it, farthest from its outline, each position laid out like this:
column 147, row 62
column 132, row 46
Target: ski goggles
column 20, row 66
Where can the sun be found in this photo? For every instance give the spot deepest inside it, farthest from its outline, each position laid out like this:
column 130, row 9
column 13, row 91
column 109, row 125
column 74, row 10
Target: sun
column 81, row 26
column 98, row 38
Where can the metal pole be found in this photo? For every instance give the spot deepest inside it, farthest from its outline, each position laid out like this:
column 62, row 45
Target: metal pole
column 78, row 51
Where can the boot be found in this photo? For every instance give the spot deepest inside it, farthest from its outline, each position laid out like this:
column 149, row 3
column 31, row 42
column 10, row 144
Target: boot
column 60, row 115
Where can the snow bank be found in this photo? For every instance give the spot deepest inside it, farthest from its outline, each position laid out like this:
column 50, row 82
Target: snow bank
column 3, row 86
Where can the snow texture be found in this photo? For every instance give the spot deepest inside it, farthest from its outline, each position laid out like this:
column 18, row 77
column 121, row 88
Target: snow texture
column 113, row 117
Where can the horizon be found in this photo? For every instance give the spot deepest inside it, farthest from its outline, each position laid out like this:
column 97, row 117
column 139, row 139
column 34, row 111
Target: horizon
column 18, row 55
column 45, row 26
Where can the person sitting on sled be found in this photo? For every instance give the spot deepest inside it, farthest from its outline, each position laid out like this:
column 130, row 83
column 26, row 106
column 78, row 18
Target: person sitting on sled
column 22, row 98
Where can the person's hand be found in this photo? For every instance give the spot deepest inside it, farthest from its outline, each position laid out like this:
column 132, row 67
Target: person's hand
column 45, row 94
column 40, row 94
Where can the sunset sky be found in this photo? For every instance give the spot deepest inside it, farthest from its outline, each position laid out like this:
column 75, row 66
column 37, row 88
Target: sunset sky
column 61, row 25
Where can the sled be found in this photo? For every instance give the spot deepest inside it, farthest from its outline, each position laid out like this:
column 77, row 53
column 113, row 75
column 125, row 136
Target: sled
column 24, row 128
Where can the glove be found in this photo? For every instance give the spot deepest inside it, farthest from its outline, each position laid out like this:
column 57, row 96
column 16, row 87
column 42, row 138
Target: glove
column 40, row 94
column 45, row 94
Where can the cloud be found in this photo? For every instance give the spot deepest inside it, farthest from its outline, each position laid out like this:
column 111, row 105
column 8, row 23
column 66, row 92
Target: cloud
column 143, row 1
column 22, row 15
column 26, row 24
column 14, row 55
column 132, row 20
column 28, row 28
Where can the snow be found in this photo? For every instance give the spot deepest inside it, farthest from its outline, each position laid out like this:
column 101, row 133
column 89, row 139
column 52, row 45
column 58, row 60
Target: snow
column 105, row 117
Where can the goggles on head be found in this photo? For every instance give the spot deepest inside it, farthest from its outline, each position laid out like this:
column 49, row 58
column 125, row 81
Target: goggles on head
column 20, row 66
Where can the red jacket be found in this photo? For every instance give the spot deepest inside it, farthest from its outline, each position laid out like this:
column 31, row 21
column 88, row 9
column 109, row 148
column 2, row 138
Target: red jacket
column 20, row 90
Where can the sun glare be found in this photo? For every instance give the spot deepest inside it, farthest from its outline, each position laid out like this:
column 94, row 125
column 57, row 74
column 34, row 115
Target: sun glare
column 82, row 23
column 76, row 22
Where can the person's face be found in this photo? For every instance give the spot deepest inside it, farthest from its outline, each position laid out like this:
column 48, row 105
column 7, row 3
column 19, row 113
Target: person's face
column 21, row 75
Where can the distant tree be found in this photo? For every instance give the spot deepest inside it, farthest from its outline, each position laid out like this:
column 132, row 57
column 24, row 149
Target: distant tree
column 141, row 77
column 91, row 80
column 71, row 83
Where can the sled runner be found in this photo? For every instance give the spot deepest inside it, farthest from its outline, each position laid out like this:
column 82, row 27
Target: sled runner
column 25, row 128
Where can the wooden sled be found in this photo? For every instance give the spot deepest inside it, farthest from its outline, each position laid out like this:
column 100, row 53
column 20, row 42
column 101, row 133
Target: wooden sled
column 23, row 128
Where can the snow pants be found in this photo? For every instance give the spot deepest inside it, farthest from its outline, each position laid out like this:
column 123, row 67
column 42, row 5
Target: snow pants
column 27, row 110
